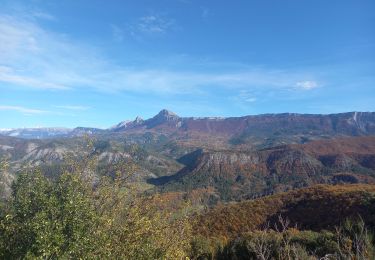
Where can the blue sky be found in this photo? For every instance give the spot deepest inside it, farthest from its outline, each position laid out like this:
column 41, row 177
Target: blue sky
column 95, row 63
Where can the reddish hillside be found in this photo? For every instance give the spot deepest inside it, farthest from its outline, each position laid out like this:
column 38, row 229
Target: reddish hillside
column 348, row 145
column 240, row 129
column 240, row 175
column 318, row 207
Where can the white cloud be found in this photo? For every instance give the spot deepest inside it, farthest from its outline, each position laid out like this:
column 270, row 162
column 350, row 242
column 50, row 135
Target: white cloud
column 23, row 110
column 307, row 85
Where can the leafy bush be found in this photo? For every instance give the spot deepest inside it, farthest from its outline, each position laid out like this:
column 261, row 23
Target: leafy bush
column 68, row 218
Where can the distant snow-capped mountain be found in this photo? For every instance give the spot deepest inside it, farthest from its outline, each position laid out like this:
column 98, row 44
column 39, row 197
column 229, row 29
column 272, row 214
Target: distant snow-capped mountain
column 127, row 124
column 48, row 132
column 36, row 133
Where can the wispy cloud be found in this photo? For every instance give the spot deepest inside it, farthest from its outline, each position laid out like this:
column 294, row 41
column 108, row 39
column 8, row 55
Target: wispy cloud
column 117, row 33
column 307, row 84
column 247, row 96
column 8, row 75
column 164, row 81
column 23, row 110
column 244, row 97
column 36, row 58
column 70, row 107
column 42, row 15
column 153, row 24
column 33, row 57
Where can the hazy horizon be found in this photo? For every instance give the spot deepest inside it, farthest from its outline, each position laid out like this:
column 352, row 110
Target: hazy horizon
column 146, row 118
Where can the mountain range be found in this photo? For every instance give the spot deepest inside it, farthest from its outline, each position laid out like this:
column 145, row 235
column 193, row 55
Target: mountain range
column 239, row 128
column 235, row 158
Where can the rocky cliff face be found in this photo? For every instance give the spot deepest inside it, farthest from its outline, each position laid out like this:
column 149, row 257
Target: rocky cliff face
column 260, row 131
column 166, row 120
column 352, row 123
column 238, row 175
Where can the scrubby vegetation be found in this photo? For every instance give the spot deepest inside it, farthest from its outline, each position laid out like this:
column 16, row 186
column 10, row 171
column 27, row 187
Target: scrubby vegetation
column 75, row 217
column 351, row 240
column 69, row 217
column 321, row 222
column 315, row 208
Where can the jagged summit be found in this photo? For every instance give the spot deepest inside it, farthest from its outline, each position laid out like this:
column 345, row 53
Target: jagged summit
column 138, row 119
column 128, row 124
column 167, row 113
column 164, row 116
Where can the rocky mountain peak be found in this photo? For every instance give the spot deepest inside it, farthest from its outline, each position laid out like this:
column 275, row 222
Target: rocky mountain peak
column 164, row 116
column 128, row 124
column 138, row 119
column 166, row 113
